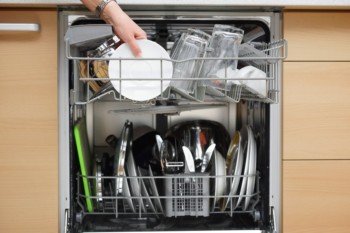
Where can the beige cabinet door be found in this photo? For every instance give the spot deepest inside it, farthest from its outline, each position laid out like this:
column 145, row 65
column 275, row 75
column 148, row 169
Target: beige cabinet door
column 316, row 125
column 317, row 35
column 316, row 110
column 316, row 196
column 28, row 124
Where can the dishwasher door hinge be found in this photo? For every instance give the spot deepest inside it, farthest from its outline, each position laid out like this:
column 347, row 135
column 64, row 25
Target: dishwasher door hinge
column 66, row 221
column 272, row 220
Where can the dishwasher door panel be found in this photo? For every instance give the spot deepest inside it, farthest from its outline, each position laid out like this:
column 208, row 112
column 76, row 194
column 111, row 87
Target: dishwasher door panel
column 107, row 114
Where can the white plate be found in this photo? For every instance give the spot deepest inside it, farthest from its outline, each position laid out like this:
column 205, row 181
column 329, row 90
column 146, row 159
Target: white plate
column 127, row 195
column 146, row 199
column 134, row 181
column 234, row 167
column 252, row 169
column 246, row 152
column 135, row 69
column 219, row 172
column 155, row 191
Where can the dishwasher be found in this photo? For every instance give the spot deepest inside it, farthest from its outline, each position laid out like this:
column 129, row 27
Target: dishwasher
column 123, row 163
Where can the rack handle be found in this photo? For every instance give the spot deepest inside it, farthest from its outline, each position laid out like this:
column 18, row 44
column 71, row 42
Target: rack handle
column 23, row 27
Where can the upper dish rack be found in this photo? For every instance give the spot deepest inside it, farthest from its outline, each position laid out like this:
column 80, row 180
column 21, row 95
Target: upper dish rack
column 91, row 81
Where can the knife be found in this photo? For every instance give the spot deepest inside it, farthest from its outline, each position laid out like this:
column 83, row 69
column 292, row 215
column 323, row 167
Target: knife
column 189, row 161
column 207, row 157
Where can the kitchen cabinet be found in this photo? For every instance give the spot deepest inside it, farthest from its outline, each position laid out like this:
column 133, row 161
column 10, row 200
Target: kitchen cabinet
column 316, row 110
column 316, row 196
column 28, row 123
column 316, row 91
column 317, row 35
column 316, row 158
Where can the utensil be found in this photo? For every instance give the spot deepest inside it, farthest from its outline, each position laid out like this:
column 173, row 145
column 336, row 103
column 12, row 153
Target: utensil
column 159, row 142
column 168, row 158
column 189, row 162
column 207, row 156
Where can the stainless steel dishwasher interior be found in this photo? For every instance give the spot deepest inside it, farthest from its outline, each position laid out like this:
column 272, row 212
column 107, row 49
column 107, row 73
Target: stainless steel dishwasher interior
column 106, row 116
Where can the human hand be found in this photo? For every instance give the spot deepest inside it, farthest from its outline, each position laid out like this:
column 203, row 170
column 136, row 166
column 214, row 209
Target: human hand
column 124, row 27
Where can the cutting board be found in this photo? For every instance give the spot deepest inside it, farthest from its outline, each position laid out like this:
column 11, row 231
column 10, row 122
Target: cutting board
column 84, row 156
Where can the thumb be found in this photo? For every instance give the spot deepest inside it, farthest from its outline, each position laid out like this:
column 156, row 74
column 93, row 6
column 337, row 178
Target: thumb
column 135, row 49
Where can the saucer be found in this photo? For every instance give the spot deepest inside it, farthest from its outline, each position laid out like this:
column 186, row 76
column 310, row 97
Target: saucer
column 140, row 79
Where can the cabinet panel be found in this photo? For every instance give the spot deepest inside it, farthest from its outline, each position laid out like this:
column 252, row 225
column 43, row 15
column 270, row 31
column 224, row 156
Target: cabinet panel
column 316, row 196
column 316, row 110
column 28, row 122
column 317, row 36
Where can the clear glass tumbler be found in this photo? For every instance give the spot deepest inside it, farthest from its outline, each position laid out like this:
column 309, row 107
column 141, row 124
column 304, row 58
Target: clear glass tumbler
column 192, row 44
column 224, row 43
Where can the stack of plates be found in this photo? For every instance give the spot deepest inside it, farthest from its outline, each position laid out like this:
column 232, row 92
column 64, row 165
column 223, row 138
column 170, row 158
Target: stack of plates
column 241, row 166
column 138, row 193
column 141, row 184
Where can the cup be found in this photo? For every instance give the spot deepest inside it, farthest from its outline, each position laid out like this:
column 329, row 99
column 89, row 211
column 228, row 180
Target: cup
column 224, row 43
column 192, row 44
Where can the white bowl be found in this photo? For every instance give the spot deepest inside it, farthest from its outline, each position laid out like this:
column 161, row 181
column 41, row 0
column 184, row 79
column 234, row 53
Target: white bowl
column 140, row 79
column 250, row 72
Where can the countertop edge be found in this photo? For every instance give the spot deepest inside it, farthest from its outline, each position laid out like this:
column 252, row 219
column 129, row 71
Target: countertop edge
column 339, row 4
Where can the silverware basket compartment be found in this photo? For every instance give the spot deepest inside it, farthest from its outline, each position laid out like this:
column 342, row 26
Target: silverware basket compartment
column 190, row 195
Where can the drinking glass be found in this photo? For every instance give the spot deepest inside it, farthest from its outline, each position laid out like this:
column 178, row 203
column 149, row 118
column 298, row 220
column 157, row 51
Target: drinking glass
column 192, row 44
column 224, row 43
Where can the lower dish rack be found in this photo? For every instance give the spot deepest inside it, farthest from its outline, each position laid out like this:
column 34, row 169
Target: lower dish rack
column 171, row 195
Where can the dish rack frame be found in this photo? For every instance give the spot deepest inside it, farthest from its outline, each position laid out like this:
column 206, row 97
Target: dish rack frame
column 265, row 57
column 197, row 202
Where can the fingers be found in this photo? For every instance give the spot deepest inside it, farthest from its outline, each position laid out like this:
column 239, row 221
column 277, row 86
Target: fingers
column 138, row 34
column 141, row 34
column 134, row 48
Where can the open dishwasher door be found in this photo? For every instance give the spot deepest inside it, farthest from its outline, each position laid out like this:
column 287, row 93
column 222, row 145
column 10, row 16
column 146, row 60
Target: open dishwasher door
column 123, row 165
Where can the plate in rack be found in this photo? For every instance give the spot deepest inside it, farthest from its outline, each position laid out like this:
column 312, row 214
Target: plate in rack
column 140, row 79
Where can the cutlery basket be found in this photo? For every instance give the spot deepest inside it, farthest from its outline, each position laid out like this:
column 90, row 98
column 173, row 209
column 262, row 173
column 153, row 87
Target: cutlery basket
column 187, row 194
